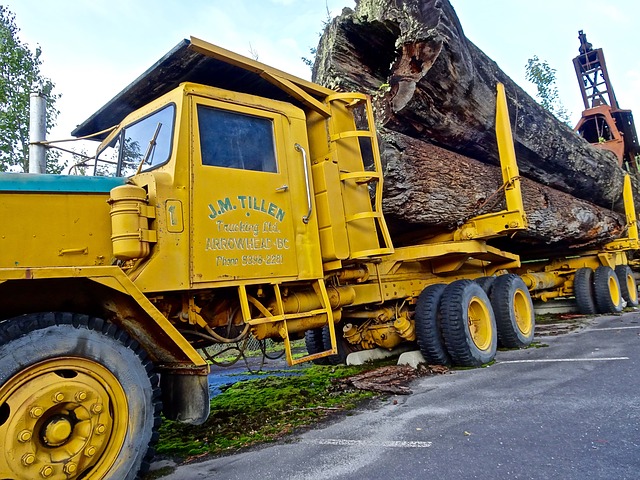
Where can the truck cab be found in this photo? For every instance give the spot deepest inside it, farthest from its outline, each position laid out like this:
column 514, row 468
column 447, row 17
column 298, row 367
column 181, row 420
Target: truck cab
column 225, row 173
column 252, row 183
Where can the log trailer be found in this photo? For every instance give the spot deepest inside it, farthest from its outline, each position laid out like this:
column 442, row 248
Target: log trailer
column 599, row 280
column 230, row 199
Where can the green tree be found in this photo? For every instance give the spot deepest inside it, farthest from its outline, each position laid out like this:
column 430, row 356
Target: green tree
column 543, row 77
column 19, row 75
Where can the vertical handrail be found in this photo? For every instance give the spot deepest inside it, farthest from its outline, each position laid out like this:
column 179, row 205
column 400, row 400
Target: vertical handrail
column 300, row 148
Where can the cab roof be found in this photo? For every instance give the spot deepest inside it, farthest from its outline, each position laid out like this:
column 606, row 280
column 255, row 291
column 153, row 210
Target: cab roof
column 197, row 61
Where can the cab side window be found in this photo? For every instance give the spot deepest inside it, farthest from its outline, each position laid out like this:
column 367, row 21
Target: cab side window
column 235, row 140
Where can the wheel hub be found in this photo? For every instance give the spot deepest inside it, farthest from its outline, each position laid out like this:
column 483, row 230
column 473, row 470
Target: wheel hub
column 67, row 417
column 57, row 430
column 522, row 312
column 614, row 290
column 632, row 288
column 479, row 323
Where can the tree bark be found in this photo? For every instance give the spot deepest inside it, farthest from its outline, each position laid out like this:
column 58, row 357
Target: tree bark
column 438, row 190
column 429, row 82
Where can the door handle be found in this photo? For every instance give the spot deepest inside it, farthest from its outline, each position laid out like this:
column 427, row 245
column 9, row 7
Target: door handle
column 283, row 188
column 299, row 148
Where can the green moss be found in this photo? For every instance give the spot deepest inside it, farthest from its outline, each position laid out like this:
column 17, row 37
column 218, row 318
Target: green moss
column 255, row 411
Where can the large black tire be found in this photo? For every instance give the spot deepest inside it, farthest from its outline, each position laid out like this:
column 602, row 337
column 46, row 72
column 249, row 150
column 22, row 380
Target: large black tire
column 513, row 309
column 344, row 346
column 628, row 286
column 583, row 291
column 486, row 283
column 314, row 341
column 428, row 331
column 607, row 290
column 77, row 389
column 468, row 324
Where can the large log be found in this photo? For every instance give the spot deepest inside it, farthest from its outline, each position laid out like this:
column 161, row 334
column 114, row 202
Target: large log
column 430, row 82
column 439, row 190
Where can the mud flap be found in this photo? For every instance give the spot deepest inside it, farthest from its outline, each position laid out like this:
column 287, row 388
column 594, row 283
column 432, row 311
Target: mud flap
column 185, row 398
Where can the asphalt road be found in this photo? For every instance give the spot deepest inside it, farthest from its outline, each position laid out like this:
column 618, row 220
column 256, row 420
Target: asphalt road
column 570, row 410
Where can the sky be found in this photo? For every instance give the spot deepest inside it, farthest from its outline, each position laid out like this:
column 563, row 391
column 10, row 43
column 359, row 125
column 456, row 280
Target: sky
column 92, row 49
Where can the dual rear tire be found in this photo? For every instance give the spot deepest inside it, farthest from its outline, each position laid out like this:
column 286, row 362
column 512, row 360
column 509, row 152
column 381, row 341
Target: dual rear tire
column 604, row 290
column 468, row 324
column 513, row 307
column 461, row 324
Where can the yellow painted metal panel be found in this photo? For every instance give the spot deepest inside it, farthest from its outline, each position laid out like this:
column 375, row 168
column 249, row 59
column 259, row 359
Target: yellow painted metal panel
column 507, row 153
column 331, row 218
column 54, row 229
column 167, row 268
column 162, row 331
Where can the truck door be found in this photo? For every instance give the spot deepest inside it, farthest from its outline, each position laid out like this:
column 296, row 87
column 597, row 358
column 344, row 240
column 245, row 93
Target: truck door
column 243, row 225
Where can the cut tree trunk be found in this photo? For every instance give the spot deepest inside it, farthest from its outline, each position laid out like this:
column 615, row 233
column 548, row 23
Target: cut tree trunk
column 439, row 190
column 430, row 82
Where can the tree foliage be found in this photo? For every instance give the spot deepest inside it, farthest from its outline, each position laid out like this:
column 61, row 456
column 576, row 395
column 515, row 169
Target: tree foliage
column 19, row 76
column 543, row 77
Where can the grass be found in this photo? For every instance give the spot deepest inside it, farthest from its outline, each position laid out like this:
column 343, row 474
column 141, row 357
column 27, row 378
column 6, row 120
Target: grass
column 262, row 410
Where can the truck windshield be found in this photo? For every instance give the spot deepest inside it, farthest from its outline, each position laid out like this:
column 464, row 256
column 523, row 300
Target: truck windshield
column 145, row 144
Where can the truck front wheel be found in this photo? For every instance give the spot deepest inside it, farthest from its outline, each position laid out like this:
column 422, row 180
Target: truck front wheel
column 78, row 399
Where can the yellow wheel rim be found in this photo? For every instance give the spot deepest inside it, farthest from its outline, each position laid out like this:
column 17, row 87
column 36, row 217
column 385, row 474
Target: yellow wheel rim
column 63, row 418
column 614, row 290
column 480, row 326
column 632, row 288
column 522, row 311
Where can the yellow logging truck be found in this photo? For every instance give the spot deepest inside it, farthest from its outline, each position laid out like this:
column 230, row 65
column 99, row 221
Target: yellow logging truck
column 230, row 199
